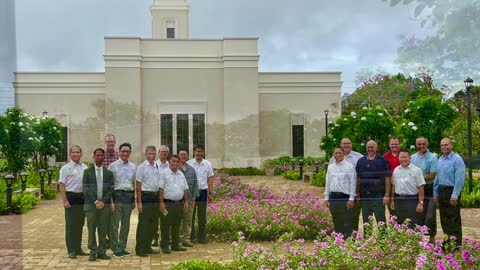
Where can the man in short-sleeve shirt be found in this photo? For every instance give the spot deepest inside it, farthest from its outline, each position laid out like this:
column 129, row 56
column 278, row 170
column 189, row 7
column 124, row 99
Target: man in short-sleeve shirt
column 373, row 183
column 204, row 172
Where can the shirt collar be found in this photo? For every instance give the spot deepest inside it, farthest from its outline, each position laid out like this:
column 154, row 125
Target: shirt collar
column 96, row 168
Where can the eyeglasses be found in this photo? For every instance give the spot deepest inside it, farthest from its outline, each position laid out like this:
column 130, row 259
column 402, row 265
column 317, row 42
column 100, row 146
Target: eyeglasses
column 125, row 151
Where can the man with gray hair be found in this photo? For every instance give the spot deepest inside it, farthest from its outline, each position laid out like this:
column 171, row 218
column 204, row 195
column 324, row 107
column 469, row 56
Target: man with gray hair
column 146, row 187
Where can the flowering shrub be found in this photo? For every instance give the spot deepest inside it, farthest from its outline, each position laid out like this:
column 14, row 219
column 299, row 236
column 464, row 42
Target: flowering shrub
column 262, row 215
column 390, row 246
column 361, row 126
column 292, row 175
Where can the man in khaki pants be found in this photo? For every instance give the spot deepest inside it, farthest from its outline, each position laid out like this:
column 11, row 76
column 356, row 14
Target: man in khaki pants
column 191, row 177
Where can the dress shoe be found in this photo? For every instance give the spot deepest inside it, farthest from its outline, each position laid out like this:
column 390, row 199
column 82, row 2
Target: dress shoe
column 72, row 255
column 125, row 253
column 103, row 257
column 142, row 255
column 154, row 243
column 118, row 254
column 151, row 251
column 166, row 250
column 203, row 241
column 187, row 243
column 179, row 248
column 81, row 253
column 92, row 257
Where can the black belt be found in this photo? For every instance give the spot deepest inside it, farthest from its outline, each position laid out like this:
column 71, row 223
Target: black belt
column 445, row 187
column 150, row 192
column 406, row 196
column 76, row 193
column 123, row 190
column 339, row 194
column 172, row 201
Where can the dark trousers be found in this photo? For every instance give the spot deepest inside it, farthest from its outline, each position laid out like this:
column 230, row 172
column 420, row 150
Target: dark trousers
column 341, row 215
column 74, row 221
column 146, row 222
column 97, row 221
column 201, row 210
column 355, row 215
column 450, row 215
column 372, row 204
column 429, row 215
column 120, row 220
column 406, row 207
column 171, row 223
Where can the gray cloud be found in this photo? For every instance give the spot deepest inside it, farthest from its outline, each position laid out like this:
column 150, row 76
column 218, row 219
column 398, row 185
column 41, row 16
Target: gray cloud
column 304, row 35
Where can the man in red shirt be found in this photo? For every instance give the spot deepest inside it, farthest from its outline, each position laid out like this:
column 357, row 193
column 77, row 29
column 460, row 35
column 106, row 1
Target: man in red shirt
column 393, row 158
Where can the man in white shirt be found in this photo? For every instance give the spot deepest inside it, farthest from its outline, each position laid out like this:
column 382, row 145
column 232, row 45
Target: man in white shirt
column 146, row 188
column 407, row 185
column 173, row 202
column 123, row 200
column 204, row 171
column 340, row 191
column 351, row 157
column 72, row 195
column 162, row 164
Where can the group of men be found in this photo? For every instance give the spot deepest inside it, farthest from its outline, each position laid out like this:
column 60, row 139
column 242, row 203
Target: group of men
column 167, row 193
column 410, row 185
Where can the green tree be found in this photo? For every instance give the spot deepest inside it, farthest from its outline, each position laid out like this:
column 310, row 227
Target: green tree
column 360, row 126
column 48, row 140
column 429, row 117
column 16, row 138
column 451, row 50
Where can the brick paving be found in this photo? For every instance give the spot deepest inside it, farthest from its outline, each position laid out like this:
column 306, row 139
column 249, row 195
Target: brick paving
column 36, row 240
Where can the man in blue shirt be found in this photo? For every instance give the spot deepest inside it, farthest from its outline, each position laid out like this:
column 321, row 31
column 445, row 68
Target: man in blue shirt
column 427, row 162
column 446, row 190
column 373, row 183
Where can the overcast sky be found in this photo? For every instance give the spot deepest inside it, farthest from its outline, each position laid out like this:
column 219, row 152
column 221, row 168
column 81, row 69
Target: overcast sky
column 301, row 35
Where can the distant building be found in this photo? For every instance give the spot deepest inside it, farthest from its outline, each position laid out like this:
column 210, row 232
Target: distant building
column 173, row 90
column 8, row 55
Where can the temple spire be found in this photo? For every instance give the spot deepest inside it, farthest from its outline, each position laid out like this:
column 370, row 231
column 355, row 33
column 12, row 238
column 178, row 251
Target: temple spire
column 170, row 19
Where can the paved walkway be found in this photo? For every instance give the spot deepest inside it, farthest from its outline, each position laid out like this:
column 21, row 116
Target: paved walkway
column 36, row 240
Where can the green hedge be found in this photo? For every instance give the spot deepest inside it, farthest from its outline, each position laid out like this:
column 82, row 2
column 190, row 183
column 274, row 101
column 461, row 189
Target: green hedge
column 319, row 179
column 23, row 202
column 292, row 175
column 471, row 198
column 242, row 171
column 285, row 160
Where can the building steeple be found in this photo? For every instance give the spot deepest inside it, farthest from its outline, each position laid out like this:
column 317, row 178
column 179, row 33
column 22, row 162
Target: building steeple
column 170, row 19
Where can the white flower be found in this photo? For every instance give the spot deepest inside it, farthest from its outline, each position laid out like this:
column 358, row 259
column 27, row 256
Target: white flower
column 345, row 119
column 334, row 139
column 362, row 144
column 407, row 111
column 412, row 146
column 30, row 138
column 414, row 127
column 330, row 122
column 6, row 131
column 411, row 124
column 403, row 124
column 22, row 129
column 380, row 114
column 431, row 121
column 337, row 125
column 364, row 108
column 353, row 114
column 60, row 142
column 55, row 128
column 363, row 118
column 322, row 143
column 41, row 138
column 20, row 124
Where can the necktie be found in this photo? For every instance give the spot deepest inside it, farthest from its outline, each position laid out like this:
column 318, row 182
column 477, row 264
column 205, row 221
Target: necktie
column 99, row 184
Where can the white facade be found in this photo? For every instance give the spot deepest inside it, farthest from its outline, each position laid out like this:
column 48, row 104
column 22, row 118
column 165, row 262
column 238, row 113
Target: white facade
column 173, row 90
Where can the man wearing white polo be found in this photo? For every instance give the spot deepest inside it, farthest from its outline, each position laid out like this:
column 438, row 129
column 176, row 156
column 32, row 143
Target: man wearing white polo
column 204, row 171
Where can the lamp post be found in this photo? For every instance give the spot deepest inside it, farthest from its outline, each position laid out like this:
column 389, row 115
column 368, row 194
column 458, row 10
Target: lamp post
column 300, row 162
column 326, row 120
column 317, row 166
column 42, row 172
column 468, row 85
column 9, row 179
column 23, row 177
column 293, row 164
column 45, row 113
column 50, row 174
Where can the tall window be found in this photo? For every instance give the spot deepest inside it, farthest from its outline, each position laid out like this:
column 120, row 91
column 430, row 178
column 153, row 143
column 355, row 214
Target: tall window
column 166, row 130
column 182, row 130
column 62, row 155
column 297, row 140
column 170, row 32
column 199, row 129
